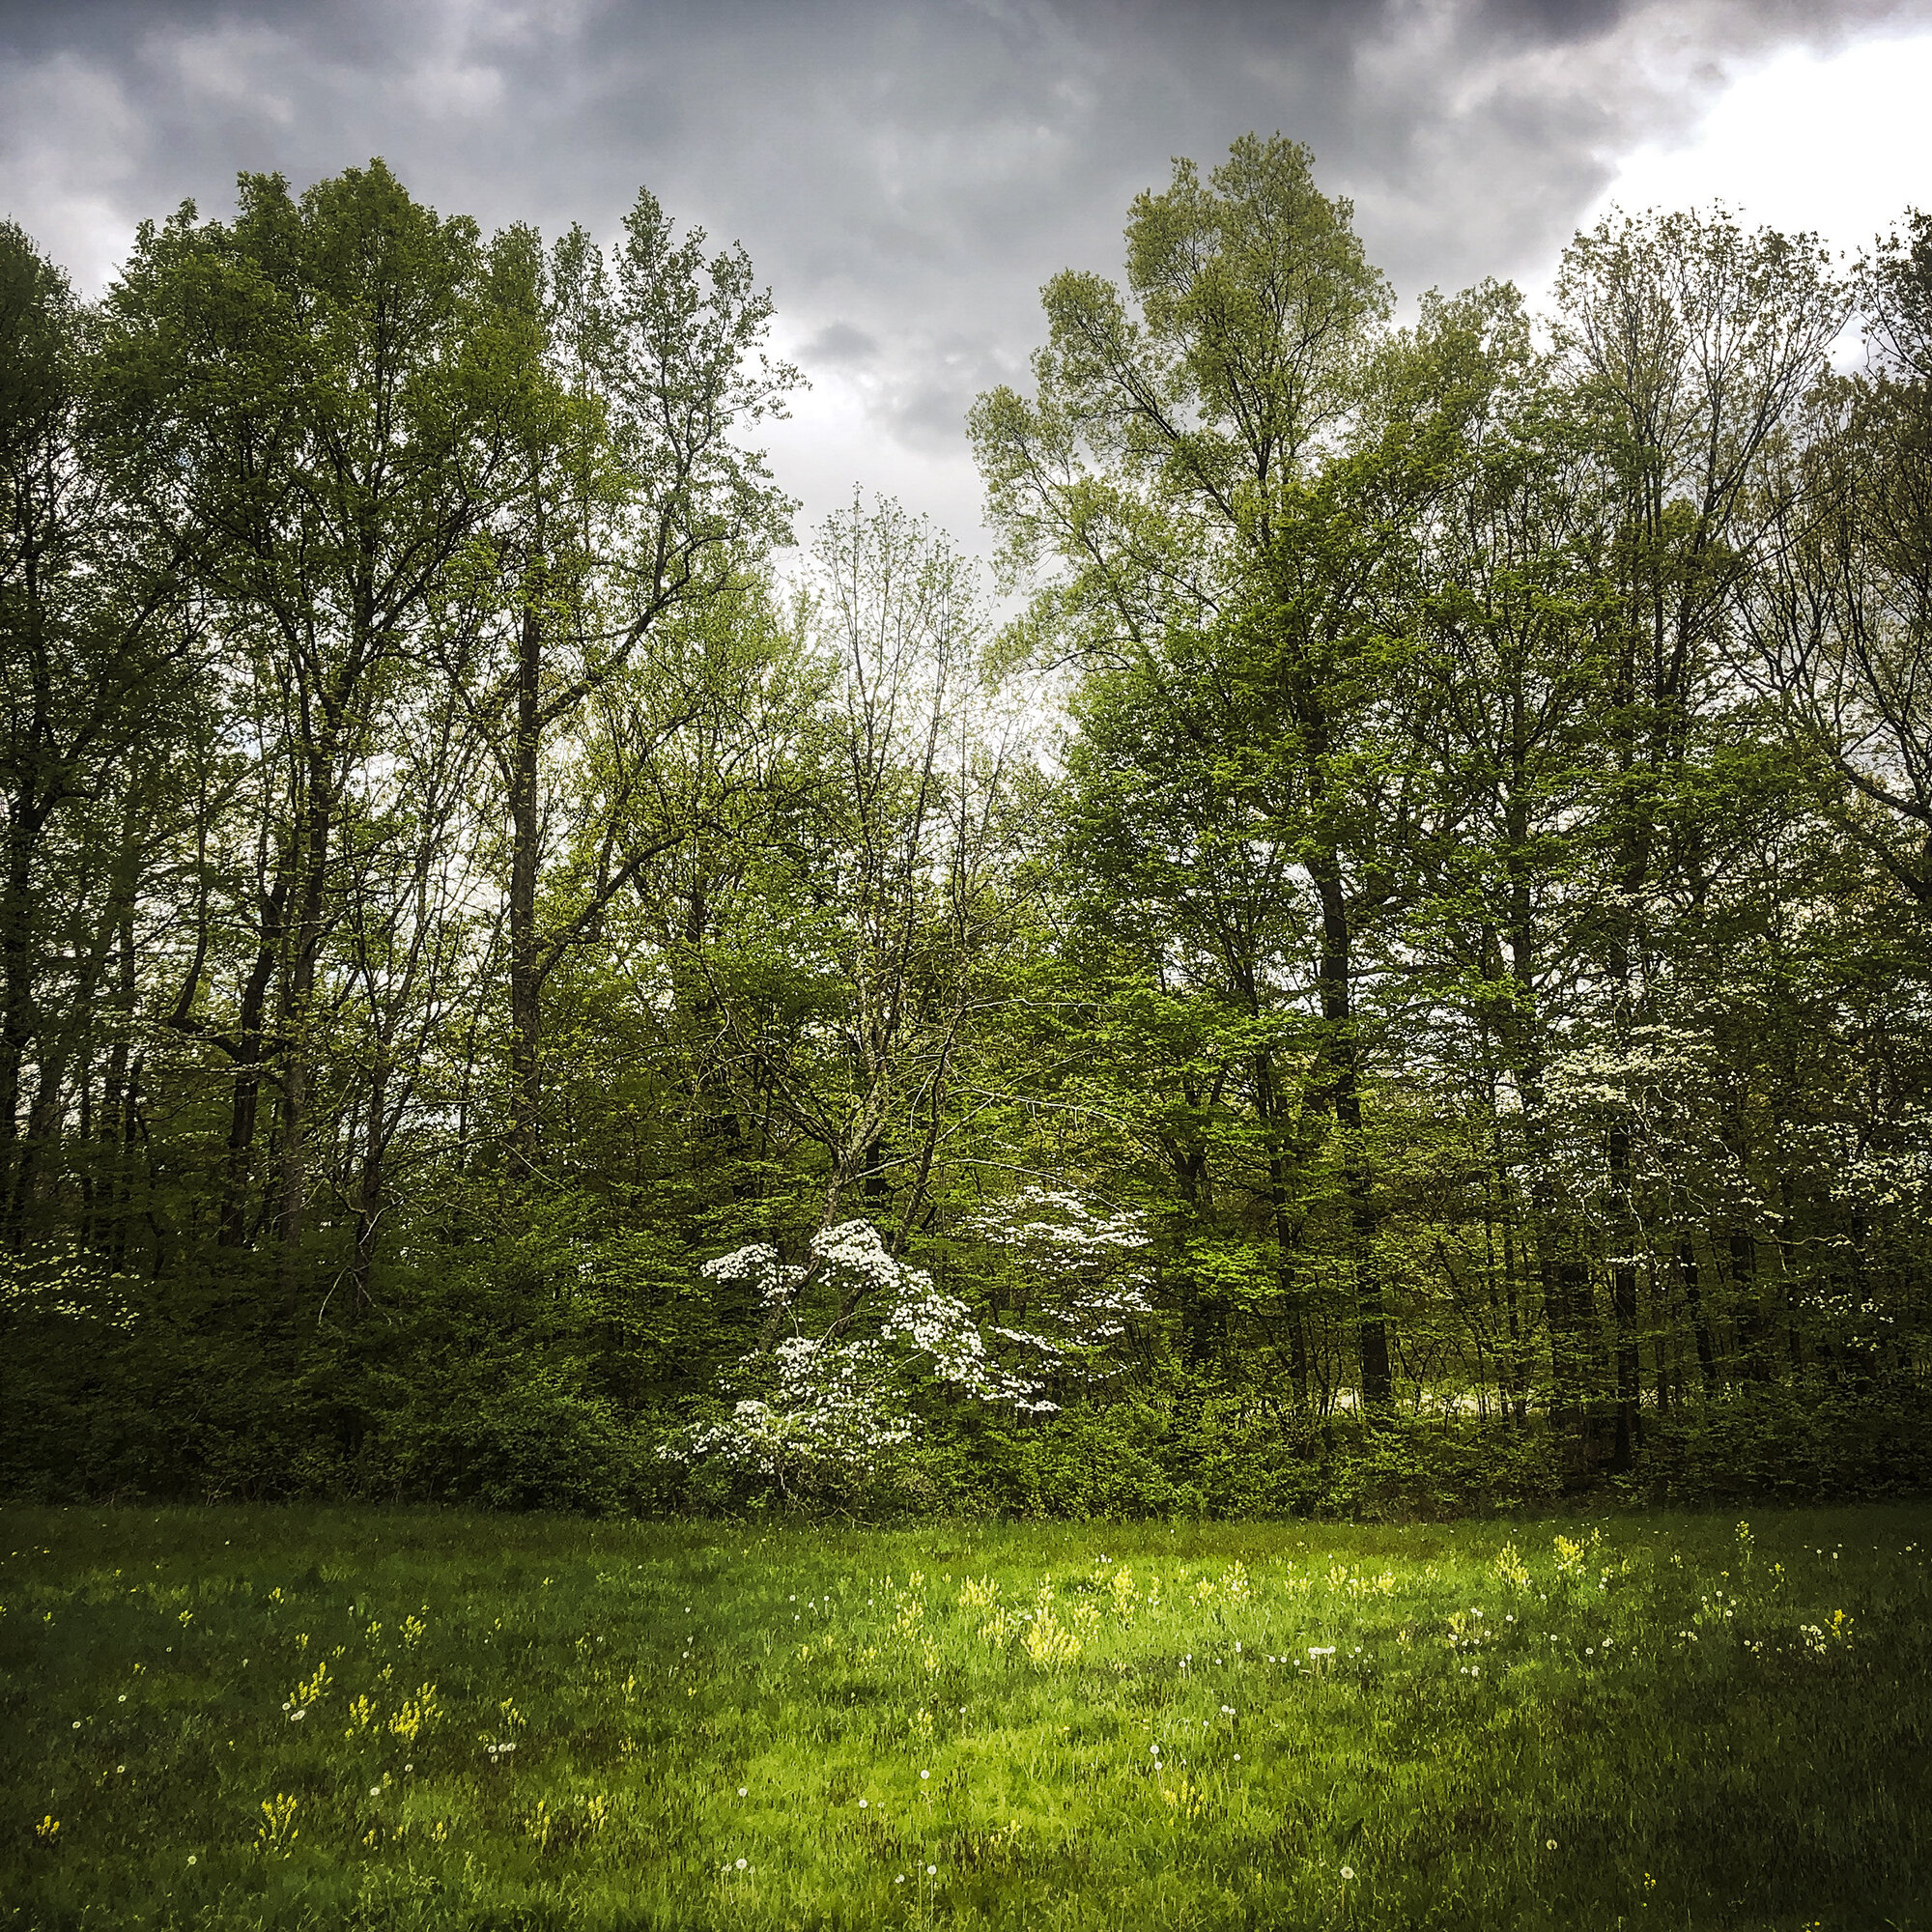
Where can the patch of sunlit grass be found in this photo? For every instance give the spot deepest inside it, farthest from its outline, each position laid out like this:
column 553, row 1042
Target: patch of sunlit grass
column 253, row 1717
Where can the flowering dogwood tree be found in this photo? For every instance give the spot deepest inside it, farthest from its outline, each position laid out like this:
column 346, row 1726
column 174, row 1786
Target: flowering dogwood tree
column 838, row 1402
column 1668, row 1087
column 835, row 1404
column 1083, row 1273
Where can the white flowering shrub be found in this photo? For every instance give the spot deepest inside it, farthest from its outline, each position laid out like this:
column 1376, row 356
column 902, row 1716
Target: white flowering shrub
column 837, row 1403
column 1084, row 1271
column 1662, row 1084
column 1860, row 1179
column 828, row 1413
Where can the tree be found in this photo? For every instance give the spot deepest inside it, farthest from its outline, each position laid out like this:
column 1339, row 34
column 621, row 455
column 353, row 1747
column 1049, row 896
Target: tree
column 894, row 901
column 629, row 507
column 1208, row 460
column 328, row 382
column 1690, row 346
column 1841, row 621
column 97, row 633
column 402, row 952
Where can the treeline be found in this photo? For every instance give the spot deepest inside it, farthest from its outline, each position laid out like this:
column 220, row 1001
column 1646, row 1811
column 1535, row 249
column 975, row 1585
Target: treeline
column 1398, row 980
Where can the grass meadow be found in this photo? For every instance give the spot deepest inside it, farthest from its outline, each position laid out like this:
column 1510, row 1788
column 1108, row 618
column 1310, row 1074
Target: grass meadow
column 328, row 1718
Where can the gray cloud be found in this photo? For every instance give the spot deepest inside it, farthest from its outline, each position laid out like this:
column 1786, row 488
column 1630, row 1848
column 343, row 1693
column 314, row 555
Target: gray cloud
column 905, row 173
column 839, row 342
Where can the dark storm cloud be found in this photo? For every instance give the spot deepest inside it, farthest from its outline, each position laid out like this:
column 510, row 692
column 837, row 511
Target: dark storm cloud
column 905, row 175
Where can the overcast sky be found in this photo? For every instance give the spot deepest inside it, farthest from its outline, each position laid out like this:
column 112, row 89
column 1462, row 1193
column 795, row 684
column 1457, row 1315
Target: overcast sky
column 906, row 176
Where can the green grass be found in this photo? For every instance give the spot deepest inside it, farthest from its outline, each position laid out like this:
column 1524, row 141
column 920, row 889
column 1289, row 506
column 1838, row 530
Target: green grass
column 303, row 1717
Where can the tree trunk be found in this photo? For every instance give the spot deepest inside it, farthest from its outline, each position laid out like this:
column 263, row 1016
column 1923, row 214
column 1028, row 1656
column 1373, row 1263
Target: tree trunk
column 1623, row 1309
column 1752, row 1336
column 1267, row 1106
column 525, row 983
column 1308, row 705
column 249, row 1044
column 370, row 1183
column 1344, row 1102
column 314, row 829
column 16, row 980
column 1700, row 1326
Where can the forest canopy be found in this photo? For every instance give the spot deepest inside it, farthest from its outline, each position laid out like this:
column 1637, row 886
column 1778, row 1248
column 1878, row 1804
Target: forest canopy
column 1393, row 978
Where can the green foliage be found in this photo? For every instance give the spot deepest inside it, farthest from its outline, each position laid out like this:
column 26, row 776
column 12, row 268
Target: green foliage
column 1437, row 1019
column 523, row 1367
column 1223, row 1458
column 1793, row 1445
column 509, row 1434
column 36, row 307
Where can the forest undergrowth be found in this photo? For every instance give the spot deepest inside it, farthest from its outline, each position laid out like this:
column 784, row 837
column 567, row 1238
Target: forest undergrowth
column 254, row 1718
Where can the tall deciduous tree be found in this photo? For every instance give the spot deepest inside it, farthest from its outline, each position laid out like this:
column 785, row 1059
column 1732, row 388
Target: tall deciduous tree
column 1690, row 346
column 896, row 895
column 1842, row 623
column 632, row 506
column 329, row 382
column 96, row 627
column 1178, row 463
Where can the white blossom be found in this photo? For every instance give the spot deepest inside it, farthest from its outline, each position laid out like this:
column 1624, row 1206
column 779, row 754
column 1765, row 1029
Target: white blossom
column 833, row 1405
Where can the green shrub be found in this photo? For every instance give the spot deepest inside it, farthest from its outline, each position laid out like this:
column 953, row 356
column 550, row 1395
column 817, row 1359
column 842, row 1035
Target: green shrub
column 513, row 1436
column 1794, row 1444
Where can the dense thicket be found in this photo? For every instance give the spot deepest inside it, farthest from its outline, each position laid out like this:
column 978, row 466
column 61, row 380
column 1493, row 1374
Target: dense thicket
column 511, row 988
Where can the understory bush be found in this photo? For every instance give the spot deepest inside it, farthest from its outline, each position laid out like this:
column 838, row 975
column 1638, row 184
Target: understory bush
column 1797, row 1444
column 508, row 1403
